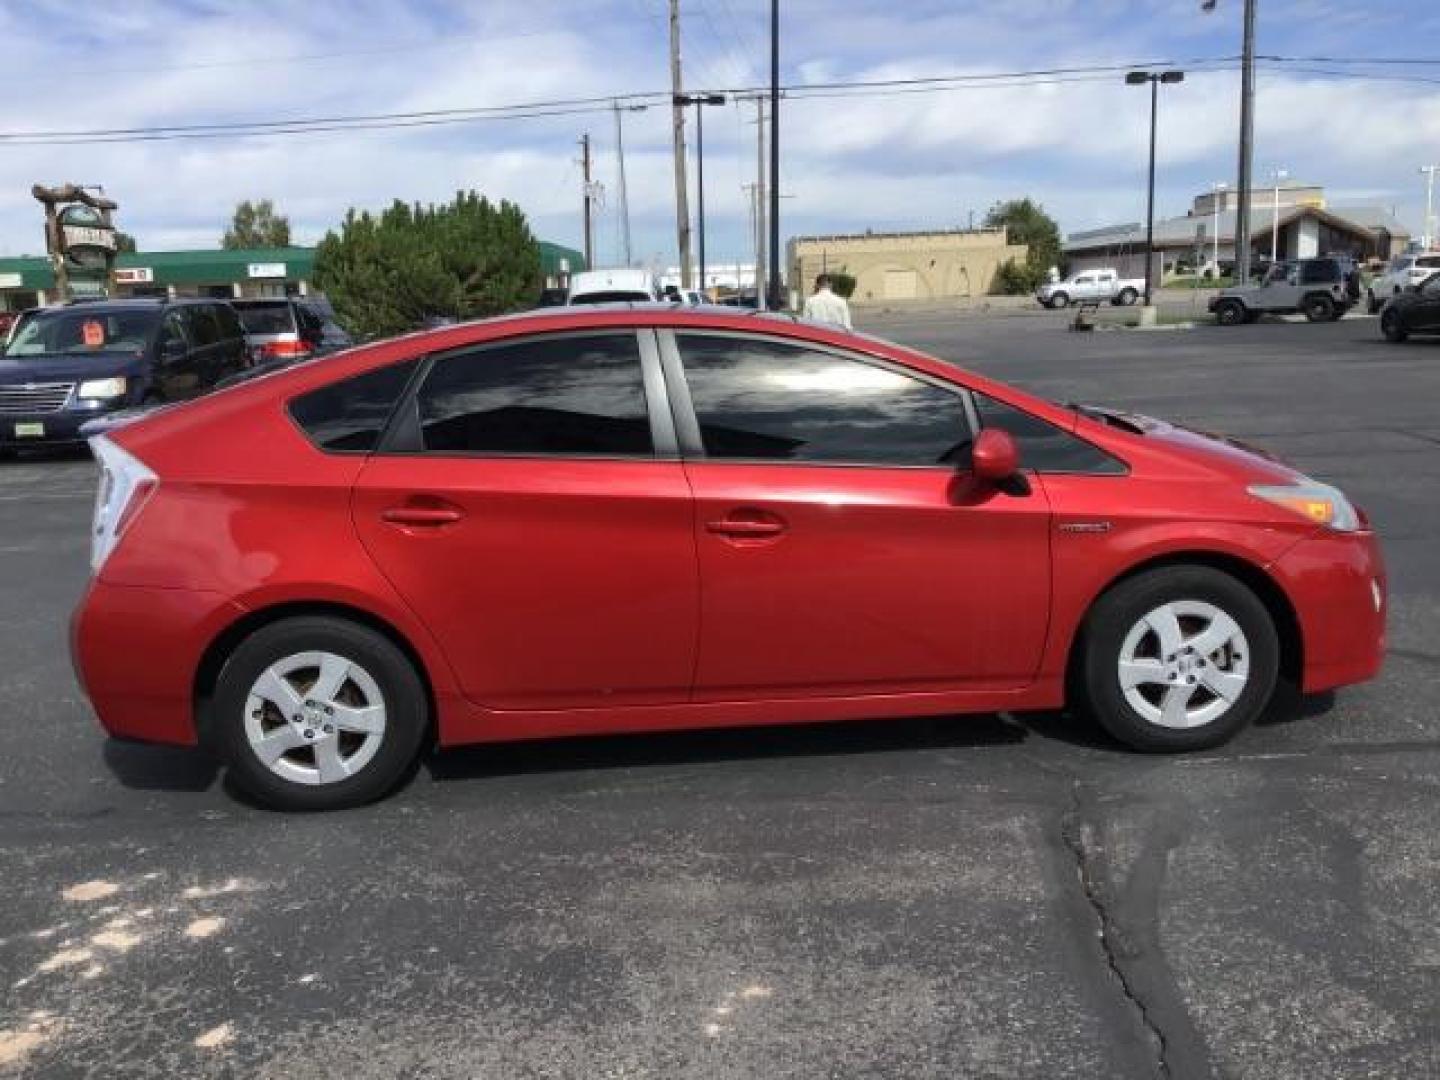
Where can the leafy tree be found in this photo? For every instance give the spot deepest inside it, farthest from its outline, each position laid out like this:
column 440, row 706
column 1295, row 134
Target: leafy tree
column 464, row 259
column 257, row 225
column 1013, row 279
column 1025, row 222
column 124, row 241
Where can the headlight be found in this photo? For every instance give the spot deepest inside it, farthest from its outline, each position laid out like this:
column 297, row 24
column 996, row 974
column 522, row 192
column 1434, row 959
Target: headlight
column 103, row 388
column 1311, row 499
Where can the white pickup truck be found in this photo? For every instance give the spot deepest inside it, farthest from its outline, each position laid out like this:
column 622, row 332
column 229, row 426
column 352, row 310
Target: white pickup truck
column 1102, row 284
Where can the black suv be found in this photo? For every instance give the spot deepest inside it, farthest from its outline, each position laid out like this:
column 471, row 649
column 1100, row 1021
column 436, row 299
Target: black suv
column 64, row 366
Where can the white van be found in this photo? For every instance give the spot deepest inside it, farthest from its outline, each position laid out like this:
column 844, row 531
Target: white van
column 619, row 285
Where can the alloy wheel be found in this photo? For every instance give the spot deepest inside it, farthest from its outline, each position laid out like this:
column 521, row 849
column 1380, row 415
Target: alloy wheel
column 1184, row 664
column 315, row 718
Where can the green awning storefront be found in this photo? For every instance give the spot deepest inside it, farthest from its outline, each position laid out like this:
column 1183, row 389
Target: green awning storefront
column 222, row 267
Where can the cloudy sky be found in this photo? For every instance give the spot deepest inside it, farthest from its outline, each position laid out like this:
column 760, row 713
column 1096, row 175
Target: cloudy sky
column 881, row 161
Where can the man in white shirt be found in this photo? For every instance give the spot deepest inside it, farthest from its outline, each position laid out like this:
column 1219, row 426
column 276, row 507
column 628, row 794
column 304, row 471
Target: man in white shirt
column 825, row 306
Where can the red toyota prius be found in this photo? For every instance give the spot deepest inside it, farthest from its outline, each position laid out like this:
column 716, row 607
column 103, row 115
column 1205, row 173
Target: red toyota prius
column 651, row 518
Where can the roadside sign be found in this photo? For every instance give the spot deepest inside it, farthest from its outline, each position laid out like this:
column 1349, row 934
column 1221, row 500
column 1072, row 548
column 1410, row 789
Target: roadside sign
column 266, row 270
column 134, row 275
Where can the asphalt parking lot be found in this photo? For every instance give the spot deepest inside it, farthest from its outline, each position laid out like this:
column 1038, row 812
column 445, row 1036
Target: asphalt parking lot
column 967, row 897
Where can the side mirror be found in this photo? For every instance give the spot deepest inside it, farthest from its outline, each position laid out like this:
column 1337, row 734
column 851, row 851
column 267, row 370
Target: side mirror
column 995, row 458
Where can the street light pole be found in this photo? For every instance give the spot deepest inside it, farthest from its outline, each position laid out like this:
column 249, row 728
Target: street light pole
column 1140, row 78
column 1277, row 176
column 700, row 101
column 1429, row 171
column 1215, row 190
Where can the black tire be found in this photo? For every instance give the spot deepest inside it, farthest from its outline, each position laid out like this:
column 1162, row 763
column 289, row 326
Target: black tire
column 1128, row 297
column 1318, row 308
column 1230, row 313
column 1059, row 300
column 1123, row 607
column 401, row 690
column 1392, row 325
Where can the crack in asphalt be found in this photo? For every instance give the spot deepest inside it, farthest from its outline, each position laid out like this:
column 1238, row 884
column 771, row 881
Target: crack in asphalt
column 1072, row 831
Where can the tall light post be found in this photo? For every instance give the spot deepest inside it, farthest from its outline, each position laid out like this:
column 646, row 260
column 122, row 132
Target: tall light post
column 700, row 101
column 1276, row 176
column 1216, row 190
column 1429, row 171
column 1154, row 78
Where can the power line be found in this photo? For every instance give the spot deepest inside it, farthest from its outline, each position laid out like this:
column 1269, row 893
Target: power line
column 584, row 105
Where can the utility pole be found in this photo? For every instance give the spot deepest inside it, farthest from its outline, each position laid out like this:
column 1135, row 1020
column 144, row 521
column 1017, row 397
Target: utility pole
column 624, row 190
column 760, row 295
column 682, row 202
column 1154, row 79
column 589, row 196
column 700, row 101
column 1247, row 140
column 777, row 293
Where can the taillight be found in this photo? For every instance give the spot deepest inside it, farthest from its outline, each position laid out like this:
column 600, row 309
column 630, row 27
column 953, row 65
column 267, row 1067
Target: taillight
column 126, row 484
column 284, row 349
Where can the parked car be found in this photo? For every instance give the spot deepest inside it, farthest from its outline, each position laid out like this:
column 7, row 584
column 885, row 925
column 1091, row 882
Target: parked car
column 1403, row 271
column 626, row 520
column 1414, row 311
column 288, row 328
column 1323, row 289
column 64, row 366
column 619, row 285
column 1103, row 285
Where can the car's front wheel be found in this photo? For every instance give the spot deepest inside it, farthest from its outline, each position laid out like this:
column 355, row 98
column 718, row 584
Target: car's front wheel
column 1178, row 658
column 1392, row 325
column 1059, row 300
column 318, row 713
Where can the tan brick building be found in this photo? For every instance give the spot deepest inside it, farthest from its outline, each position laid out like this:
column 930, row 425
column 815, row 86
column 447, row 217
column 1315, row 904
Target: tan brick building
column 905, row 266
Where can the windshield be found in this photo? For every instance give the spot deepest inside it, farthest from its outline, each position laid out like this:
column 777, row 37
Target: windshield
column 266, row 318
column 77, row 331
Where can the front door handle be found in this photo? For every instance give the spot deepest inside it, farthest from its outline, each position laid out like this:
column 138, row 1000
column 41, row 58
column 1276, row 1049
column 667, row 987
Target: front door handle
column 429, row 516
column 746, row 529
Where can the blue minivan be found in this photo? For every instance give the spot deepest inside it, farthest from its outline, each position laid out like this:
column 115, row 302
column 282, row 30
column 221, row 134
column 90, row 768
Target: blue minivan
column 65, row 366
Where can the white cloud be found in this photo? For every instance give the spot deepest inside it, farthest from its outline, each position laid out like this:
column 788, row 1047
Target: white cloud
column 899, row 161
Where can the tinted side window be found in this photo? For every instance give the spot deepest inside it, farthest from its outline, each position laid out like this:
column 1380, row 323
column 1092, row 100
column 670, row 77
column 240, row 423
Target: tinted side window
column 1319, row 272
column 1043, row 446
column 203, row 329
column 562, row 395
column 229, row 322
column 778, row 402
column 349, row 416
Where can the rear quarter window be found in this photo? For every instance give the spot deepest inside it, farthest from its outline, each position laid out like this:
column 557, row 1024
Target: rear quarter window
column 348, row 417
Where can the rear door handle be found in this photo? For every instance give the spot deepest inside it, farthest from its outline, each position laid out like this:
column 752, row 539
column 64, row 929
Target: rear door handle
column 430, row 516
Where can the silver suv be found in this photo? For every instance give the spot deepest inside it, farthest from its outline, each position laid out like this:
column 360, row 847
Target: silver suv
column 1321, row 289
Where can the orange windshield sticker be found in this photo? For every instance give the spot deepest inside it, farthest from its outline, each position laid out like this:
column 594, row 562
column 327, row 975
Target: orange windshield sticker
column 94, row 332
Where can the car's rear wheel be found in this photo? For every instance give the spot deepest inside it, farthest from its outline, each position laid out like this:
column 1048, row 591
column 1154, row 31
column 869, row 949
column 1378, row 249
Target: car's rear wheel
column 1319, row 308
column 1178, row 658
column 1059, row 300
column 1392, row 325
column 1128, row 297
column 318, row 713
column 1230, row 313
